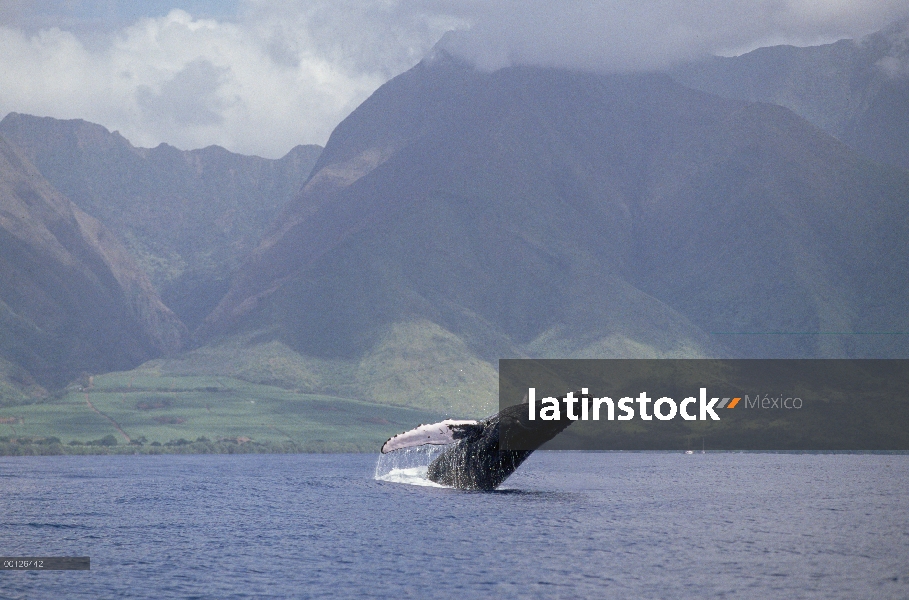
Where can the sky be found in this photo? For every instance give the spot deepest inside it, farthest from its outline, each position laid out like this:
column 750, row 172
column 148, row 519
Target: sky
column 261, row 76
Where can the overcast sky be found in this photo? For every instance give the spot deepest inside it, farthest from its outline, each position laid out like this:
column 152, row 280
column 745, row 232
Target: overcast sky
column 261, row 76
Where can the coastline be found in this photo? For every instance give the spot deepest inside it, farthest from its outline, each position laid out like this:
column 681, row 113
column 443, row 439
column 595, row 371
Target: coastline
column 54, row 448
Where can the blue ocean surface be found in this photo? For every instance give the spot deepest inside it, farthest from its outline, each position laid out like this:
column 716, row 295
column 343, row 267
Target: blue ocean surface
column 566, row 525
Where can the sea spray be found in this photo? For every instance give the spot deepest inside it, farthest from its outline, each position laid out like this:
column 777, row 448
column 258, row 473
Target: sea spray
column 408, row 465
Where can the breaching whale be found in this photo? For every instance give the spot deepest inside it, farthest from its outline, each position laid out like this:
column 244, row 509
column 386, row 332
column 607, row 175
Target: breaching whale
column 475, row 459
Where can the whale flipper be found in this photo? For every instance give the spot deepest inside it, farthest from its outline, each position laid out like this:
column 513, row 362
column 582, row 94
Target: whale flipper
column 442, row 433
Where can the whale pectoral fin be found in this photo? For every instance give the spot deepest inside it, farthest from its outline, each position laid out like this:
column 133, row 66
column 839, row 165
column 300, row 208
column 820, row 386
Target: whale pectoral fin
column 441, row 433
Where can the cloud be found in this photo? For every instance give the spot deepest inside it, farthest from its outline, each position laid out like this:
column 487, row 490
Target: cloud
column 610, row 35
column 275, row 73
column 896, row 64
column 278, row 75
column 189, row 98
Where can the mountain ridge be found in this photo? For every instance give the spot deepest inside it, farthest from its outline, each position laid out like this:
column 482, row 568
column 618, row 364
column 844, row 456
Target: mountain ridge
column 855, row 90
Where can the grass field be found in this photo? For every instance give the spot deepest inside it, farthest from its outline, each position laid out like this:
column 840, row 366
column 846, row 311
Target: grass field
column 146, row 412
column 415, row 364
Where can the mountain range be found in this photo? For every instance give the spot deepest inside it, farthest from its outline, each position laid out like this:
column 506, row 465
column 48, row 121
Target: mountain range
column 736, row 207
column 539, row 212
column 855, row 90
column 187, row 217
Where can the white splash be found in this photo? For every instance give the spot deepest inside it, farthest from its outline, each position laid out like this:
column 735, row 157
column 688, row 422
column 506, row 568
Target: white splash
column 408, row 465
column 414, row 476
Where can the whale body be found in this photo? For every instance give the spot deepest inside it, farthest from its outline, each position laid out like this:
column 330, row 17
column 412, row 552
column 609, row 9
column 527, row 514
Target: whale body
column 475, row 458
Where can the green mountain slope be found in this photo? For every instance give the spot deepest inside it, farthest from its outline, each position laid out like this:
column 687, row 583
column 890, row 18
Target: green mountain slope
column 72, row 300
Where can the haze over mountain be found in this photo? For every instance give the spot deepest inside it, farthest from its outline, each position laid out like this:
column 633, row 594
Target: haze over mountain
column 187, row 217
column 542, row 212
column 858, row 91
column 71, row 300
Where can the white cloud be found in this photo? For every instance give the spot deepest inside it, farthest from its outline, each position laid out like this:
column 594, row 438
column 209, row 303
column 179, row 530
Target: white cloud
column 259, row 85
column 283, row 72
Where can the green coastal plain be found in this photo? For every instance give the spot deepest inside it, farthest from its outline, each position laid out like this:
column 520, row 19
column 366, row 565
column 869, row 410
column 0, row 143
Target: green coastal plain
column 130, row 413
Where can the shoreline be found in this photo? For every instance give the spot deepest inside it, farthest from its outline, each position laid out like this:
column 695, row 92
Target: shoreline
column 198, row 447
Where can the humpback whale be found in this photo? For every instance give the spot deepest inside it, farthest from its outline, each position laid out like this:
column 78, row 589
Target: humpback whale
column 475, row 458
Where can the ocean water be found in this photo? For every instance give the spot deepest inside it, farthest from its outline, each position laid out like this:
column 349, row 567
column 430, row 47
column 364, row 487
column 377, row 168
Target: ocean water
column 566, row 525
